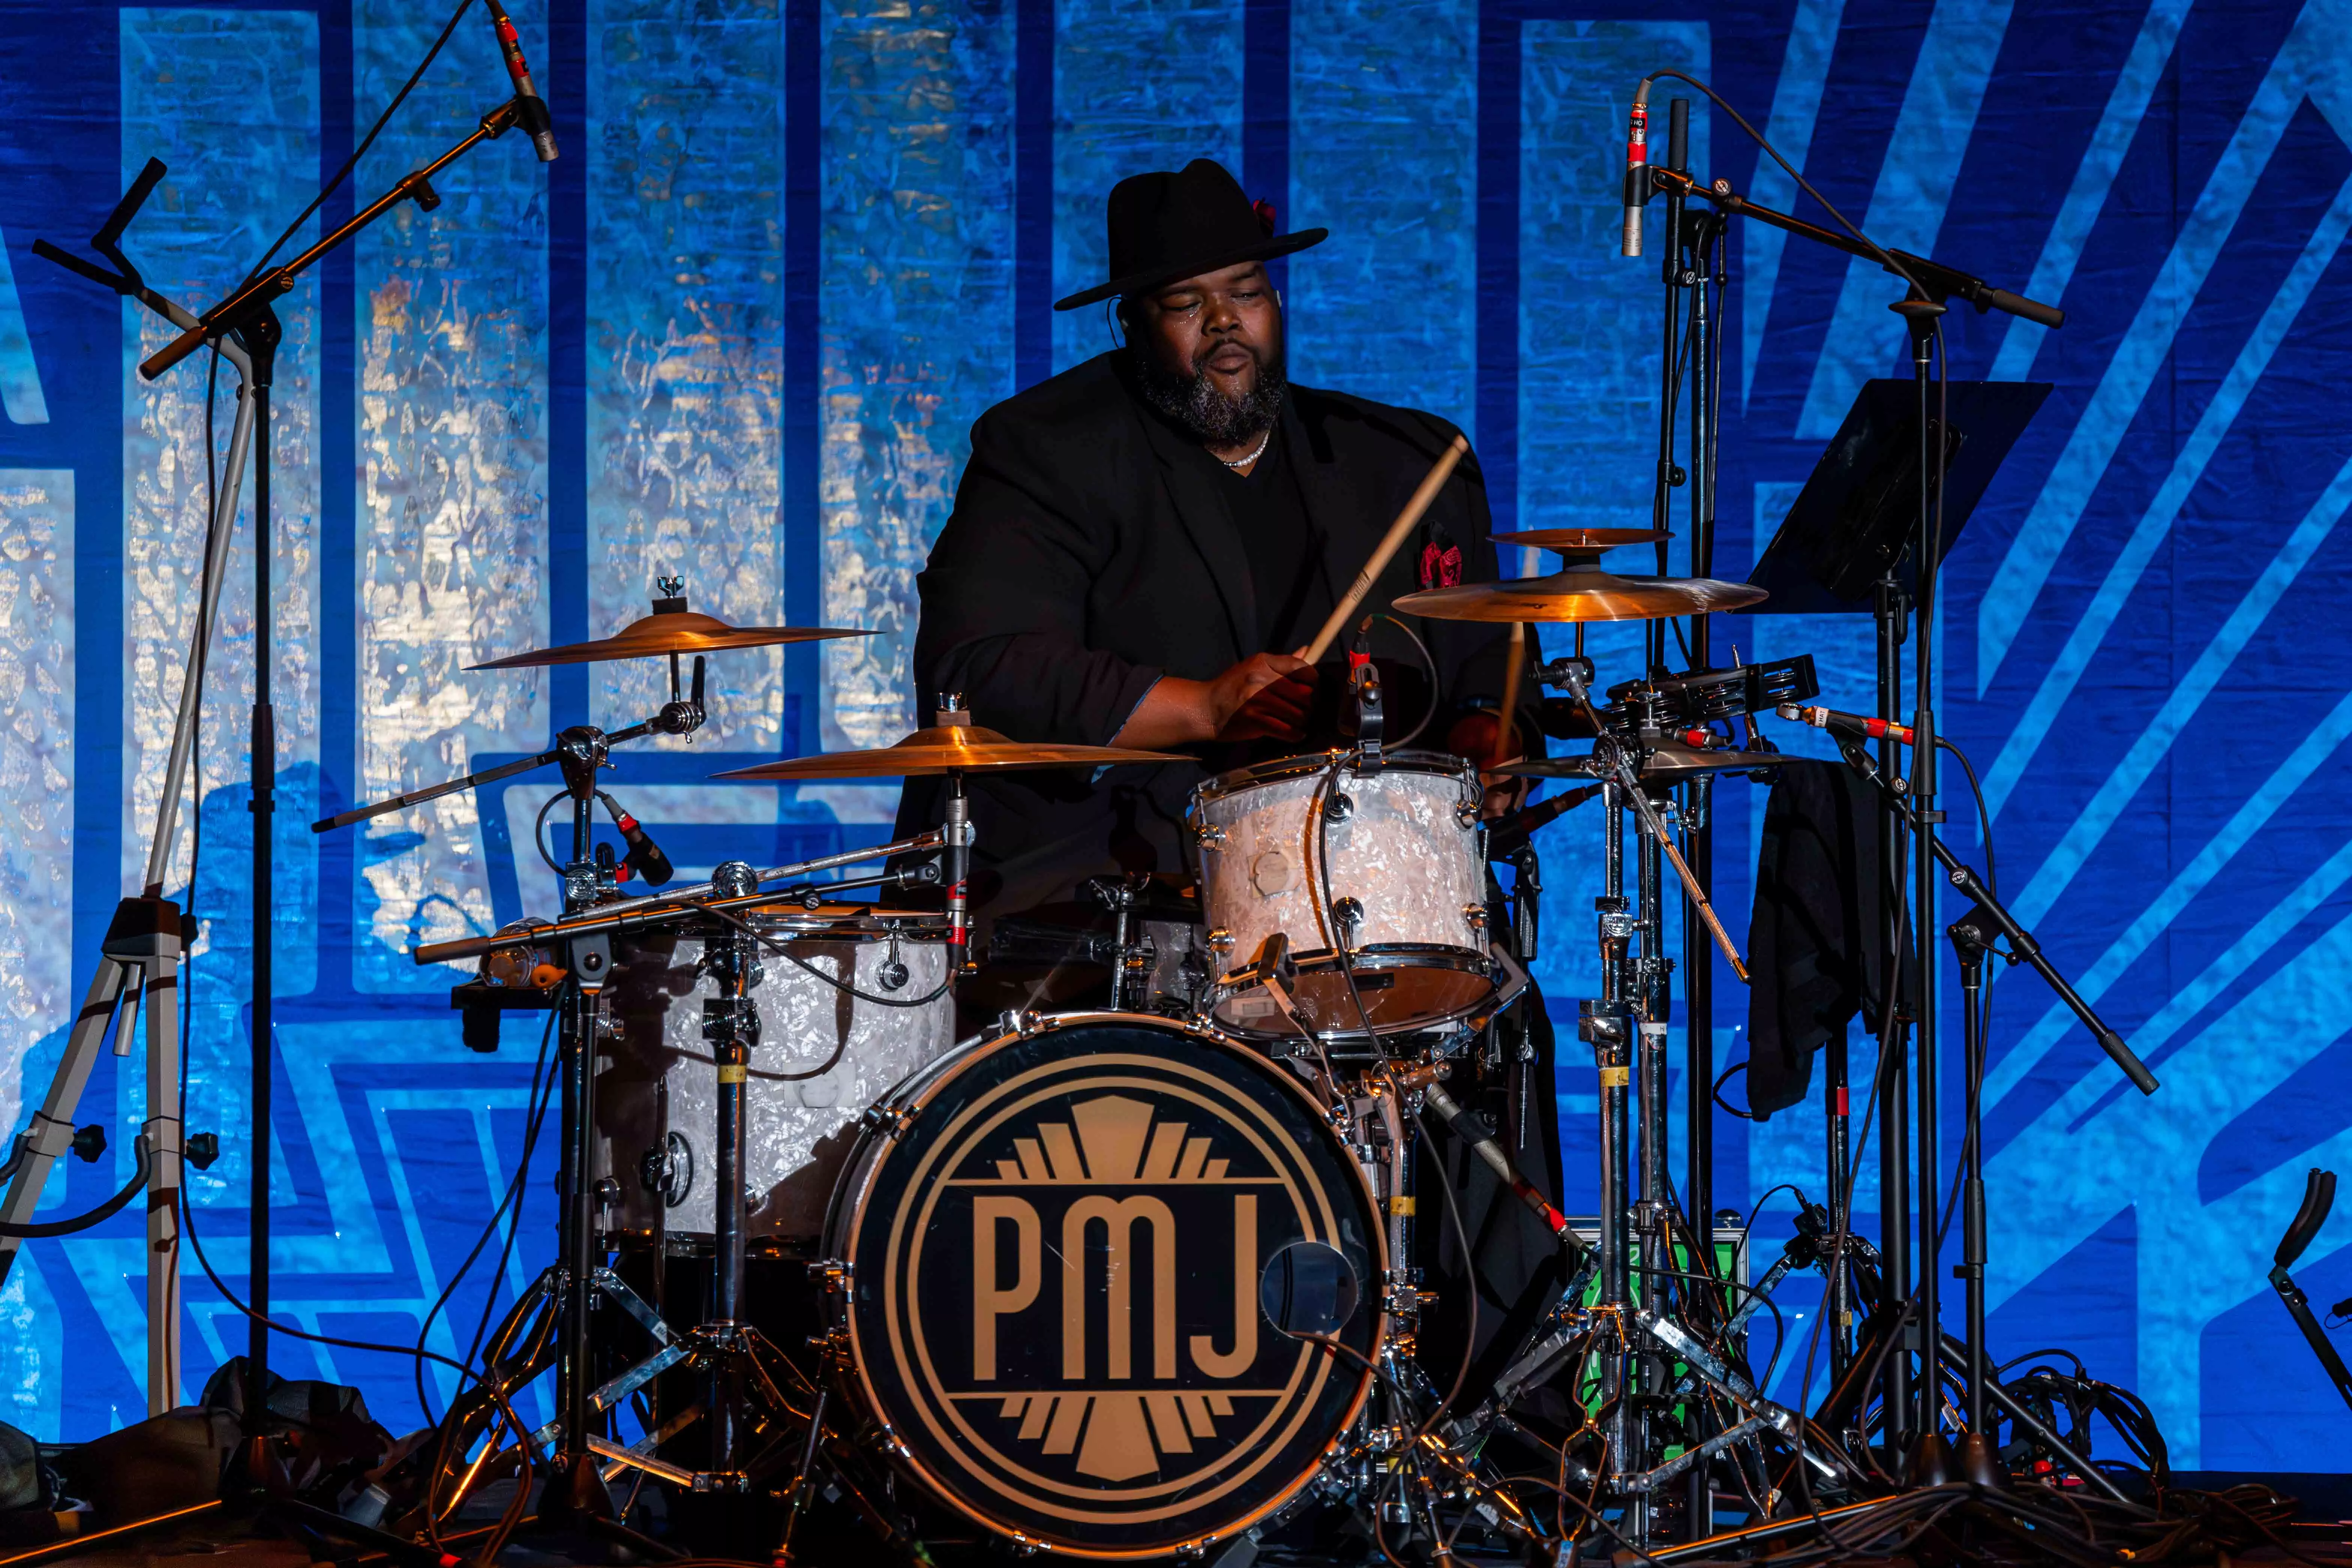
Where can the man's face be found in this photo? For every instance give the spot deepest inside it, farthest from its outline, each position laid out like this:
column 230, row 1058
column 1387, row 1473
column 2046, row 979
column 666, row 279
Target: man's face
column 1224, row 328
column 1210, row 351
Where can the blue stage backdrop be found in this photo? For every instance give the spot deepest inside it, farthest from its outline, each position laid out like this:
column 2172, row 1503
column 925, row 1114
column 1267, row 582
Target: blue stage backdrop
column 739, row 330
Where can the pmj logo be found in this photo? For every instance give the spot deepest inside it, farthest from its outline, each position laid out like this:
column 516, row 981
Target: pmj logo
column 1066, row 1323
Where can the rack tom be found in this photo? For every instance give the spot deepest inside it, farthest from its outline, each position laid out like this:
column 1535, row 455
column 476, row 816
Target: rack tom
column 1386, row 865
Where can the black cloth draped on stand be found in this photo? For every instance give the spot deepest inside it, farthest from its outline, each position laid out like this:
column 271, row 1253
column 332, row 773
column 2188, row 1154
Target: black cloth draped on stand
column 1816, row 942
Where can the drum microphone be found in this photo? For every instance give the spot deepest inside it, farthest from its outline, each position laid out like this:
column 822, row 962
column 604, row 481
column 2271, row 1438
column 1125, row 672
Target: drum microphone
column 1637, row 169
column 1471, row 1129
column 1506, row 837
column 1839, row 724
column 645, row 856
column 531, row 110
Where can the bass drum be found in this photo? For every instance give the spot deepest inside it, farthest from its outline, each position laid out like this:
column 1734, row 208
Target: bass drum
column 1058, row 1259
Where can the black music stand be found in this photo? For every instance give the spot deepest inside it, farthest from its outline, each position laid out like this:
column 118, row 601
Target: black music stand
column 1848, row 547
column 1856, row 516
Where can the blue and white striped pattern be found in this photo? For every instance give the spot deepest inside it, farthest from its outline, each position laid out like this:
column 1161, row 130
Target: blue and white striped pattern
column 794, row 247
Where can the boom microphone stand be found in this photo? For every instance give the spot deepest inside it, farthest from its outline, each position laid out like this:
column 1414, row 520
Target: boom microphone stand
column 248, row 314
column 1930, row 284
column 146, row 939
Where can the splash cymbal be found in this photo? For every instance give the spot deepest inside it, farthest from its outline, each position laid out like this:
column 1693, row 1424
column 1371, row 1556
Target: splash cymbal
column 945, row 748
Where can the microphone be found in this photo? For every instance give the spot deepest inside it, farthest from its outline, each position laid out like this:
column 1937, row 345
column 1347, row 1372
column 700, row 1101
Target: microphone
column 1505, row 838
column 1637, row 169
column 1847, row 723
column 531, row 110
column 645, row 856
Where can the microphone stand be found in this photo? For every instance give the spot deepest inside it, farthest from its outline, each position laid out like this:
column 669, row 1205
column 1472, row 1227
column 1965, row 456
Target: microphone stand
column 1917, row 1417
column 146, row 941
column 248, row 315
column 1972, row 938
column 1691, row 263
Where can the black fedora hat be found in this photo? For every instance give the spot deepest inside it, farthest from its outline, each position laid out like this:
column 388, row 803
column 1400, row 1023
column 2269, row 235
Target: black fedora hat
column 1166, row 226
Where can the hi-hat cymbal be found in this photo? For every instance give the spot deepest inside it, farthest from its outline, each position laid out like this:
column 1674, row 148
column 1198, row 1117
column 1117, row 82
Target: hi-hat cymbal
column 945, row 748
column 1671, row 763
column 1582, row 593
column 667, row 630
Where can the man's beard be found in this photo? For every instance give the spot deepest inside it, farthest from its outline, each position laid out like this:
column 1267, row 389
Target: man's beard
column 1214, row 418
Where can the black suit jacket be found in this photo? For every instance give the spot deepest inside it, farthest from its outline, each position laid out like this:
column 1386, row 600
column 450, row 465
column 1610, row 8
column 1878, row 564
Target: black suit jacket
column 1091, row 551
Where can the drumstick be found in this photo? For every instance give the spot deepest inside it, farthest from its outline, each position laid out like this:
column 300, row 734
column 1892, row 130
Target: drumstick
column 1404, row 524
column 1507, row 726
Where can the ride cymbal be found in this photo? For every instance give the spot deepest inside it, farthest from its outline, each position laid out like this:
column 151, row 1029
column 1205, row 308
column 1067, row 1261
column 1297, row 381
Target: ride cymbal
column 945, row 748
column 1583, row 592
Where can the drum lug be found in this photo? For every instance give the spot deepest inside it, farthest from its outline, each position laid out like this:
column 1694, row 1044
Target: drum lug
column 891, row 1121
column 1221, row 941
column 1210, row 837
column 1337, row 807
column 1019, row 1021
column 1475, row 917
column 1469, row 813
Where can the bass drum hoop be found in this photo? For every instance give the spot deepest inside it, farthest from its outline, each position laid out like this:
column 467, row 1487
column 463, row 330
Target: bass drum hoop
column 857, row 1176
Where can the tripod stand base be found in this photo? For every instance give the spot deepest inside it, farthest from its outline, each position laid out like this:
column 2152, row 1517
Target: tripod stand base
column 576, row 1494
column 1931, row 1462
column 1980, row 1463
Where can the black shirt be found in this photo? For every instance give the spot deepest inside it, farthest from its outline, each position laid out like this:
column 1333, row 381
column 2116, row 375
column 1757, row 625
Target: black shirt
column 1285, row 551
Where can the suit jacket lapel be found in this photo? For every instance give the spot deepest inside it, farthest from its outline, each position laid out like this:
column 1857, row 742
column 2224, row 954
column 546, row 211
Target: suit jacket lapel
column 1193, row 491
column 1334, row 504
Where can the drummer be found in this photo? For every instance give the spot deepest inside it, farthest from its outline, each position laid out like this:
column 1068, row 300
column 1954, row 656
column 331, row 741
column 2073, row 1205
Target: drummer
column 1139, row 548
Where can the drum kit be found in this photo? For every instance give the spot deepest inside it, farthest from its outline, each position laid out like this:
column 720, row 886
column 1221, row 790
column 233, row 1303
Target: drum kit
column 1222, row 1149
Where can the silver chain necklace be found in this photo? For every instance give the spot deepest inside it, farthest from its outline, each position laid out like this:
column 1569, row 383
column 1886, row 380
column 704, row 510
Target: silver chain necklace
column 1253, row 456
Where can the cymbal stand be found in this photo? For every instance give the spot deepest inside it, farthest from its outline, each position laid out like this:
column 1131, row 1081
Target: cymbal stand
column 571, row 1286
column 143, row 949
column 738, row 1395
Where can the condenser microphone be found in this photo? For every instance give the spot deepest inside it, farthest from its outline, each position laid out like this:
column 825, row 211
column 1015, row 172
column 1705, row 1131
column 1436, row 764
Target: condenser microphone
column 1839, row 724
column 531, row 110
column 1637, row 169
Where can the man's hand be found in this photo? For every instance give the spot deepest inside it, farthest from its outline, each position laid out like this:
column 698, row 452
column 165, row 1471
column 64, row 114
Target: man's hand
column 1265, row 697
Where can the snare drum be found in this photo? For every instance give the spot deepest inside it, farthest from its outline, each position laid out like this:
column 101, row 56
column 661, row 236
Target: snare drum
column 1057, row 1259
column 1402, row 890
column 824, row 1054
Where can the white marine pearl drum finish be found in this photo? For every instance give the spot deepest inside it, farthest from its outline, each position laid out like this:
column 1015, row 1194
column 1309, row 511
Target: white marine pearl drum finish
column 1406, row 892
column 799, row 1129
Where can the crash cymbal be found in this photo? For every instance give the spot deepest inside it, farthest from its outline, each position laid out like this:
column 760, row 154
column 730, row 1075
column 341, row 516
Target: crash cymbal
column 671, row 628
column 1671, row 762
column 1582, row 593
column 1582, row 541
column 945, row 748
